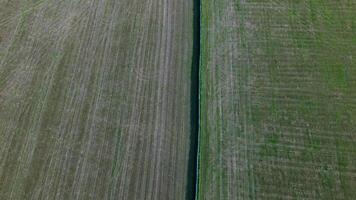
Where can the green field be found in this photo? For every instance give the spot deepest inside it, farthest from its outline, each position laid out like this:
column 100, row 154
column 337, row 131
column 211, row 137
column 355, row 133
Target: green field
column 278, row 99
column 95, row 99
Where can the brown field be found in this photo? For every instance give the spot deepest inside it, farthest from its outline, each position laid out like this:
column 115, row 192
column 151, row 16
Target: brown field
column 95, row 99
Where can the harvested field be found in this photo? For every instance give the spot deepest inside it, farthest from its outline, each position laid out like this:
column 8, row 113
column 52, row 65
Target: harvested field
column 278, row 100
column 95, row 99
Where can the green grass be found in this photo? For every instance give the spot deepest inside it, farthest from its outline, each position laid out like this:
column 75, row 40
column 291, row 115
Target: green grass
column 278, row 82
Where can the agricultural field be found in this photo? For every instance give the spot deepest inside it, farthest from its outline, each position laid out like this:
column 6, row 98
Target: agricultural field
column 176, row 99
column 277, row 99
column 95, row 99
